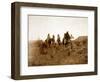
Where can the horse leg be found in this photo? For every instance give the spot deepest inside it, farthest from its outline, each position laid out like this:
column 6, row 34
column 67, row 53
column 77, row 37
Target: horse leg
column 71, row 44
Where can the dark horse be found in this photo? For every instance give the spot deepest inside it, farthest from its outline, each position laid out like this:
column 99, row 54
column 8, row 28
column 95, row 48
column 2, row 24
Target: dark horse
column 67, row 39
column 47, row 43
column 50, row 41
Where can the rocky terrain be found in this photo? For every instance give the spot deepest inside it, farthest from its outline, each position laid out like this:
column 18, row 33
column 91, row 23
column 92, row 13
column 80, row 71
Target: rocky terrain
column 74, row 53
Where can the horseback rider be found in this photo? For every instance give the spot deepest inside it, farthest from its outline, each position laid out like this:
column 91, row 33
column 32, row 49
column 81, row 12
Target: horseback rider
column 58, row 39
column 66, row 38
column 48, row 40
column 53, row 40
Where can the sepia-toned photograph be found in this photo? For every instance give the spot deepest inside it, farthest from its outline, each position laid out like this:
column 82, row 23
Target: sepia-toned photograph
column 53, row 40
column 57, row 40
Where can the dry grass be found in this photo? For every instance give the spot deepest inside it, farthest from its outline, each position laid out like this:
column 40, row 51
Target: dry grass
column 58, row 55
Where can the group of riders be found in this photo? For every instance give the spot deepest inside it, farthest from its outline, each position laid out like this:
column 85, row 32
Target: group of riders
column 66, row 39
column 51, row 42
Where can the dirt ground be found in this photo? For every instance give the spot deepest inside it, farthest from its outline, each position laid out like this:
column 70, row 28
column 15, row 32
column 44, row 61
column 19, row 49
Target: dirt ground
column 58, row 54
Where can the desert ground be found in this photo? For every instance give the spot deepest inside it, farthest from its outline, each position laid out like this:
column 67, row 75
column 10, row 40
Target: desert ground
column 74, row 53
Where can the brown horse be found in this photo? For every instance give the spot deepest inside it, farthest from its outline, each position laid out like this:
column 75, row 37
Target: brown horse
column 67, row 39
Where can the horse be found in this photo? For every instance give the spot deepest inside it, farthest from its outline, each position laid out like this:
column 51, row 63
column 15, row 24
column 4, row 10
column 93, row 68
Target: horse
column 67, row 39
column 48, row 40
column 52, row 40
column 58, row 39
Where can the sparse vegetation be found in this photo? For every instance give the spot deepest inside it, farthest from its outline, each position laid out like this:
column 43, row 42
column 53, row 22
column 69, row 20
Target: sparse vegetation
column 40, row 54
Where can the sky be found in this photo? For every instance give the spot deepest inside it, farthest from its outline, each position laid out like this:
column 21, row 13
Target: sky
column 40, row 26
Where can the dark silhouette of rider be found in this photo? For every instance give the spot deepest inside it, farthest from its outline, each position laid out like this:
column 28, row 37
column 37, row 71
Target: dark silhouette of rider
column 58, row 39
column 67, row 36
column 53, row 39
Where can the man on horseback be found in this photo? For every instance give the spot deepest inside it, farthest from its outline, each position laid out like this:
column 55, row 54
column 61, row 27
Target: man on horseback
column 66, row 38
column 48, row 40
column 58, row 39
column 53, row 40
